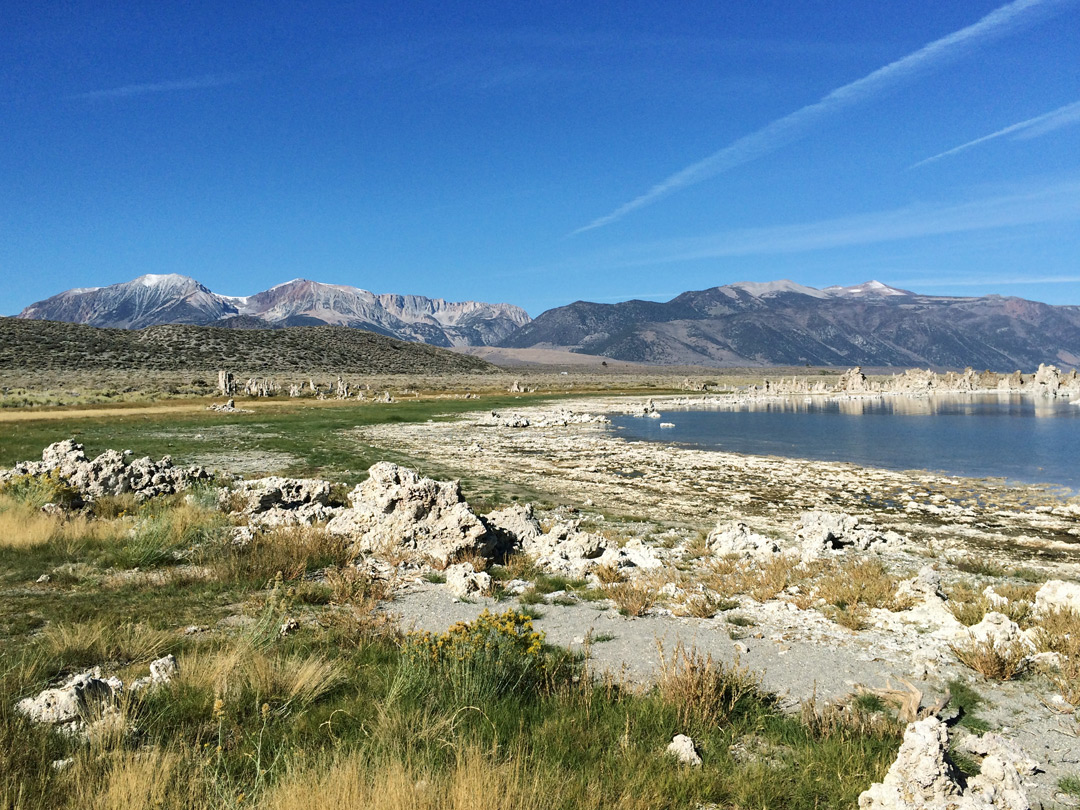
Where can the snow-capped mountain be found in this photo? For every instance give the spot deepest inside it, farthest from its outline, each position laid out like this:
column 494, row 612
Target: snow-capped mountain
column 785, row 323
column 159, row 299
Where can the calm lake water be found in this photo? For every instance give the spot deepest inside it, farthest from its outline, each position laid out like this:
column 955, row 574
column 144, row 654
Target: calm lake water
column 1027, row 439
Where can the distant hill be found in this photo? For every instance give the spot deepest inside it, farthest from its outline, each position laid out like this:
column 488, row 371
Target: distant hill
column 154, row 300
column 784, row 323
column 32, row 344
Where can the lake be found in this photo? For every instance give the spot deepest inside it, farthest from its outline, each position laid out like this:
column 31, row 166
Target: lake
column 1024, row 439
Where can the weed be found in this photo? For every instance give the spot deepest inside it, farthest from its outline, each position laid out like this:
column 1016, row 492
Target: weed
column 36, row 491
column 631, row 598
column 999, row 662
column 702, row 691
column 1070, row 785
column 479, row 660
column 967, row 701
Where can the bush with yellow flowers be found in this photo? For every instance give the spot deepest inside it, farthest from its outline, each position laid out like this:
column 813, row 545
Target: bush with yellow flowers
column 492, row 656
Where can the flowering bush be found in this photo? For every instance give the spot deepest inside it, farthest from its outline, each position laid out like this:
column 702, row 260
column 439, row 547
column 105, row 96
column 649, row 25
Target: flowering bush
column 489, row 657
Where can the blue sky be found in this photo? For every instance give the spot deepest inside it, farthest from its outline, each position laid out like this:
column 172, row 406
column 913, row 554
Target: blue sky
column 540, row 153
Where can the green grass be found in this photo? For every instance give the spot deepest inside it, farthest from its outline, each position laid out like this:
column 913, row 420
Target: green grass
column 309, row 438
column 968, row 701
column 1070, row 785
column 251, row 711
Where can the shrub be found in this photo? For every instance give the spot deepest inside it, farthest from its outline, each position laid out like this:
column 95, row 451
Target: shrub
column 489, row 657
column 700, row 689
column 631, row 598
column 999, row 662
column 37, row 490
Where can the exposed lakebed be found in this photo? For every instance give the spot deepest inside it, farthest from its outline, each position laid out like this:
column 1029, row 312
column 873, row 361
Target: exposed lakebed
column 1025, row 439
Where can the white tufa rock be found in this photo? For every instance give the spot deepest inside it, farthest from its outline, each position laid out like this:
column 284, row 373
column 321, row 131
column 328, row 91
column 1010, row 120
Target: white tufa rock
column 739, row 539
column 72, row 699
column 162, row 671
column 682, row 748
column 463, row 580
column 111, row 473
column 397, row 509
column 1057, row 595
column 921, row 779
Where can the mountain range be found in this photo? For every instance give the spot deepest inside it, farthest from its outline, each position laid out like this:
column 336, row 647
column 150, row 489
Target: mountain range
column 152, row 300
column 746, row 323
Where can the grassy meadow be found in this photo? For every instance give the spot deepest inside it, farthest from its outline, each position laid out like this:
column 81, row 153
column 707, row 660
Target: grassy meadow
column 345, row 711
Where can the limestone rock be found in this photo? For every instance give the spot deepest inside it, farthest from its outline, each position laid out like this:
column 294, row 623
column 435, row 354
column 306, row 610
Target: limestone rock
column 1057, row 595
column 262, row 494
column 396, row 508
column 72, row 699
column 463, row 580
column 513, row 525
column 739, row 539
column 111, row 473
column 162, row 671
column 821, row 532
column 682, row 748
column 921, row 779
column 1000, row 631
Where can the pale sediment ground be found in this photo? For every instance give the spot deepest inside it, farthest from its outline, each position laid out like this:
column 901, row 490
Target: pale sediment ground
column 672, row 485
column 666, row 495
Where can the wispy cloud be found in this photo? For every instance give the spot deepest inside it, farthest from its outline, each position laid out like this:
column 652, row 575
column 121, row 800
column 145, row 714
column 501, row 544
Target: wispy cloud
column 782, row 131
column 127, row 90
column 987, row 281
column 1031, row 128
column 1056, row 203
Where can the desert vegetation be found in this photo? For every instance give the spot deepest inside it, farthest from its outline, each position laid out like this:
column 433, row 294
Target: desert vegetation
column 294, row 687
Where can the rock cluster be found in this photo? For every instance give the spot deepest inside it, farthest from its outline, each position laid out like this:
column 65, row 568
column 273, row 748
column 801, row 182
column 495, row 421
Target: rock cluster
column 921, row 778
column 111, row 473
column 816, row 534
column 89, row 698
column 395, row 507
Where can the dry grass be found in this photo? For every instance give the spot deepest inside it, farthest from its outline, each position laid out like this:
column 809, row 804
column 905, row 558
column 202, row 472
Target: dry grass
column 23, row 526
column 103, row 641
column 761, row 579
column 291, row 551
column 700, row 689
column 969, row 606
column 351, row 586
column 704, row 605
column 244, row 672
column 475, row 781
column 632, row 598
column 133, row 781
column 998, row 662
column 608, row 574
column 1059, row 631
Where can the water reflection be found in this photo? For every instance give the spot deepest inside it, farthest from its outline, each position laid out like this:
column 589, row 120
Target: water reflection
column 1025, row 438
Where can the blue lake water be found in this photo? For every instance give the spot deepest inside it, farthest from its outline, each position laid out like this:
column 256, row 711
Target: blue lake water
column 1024, row 439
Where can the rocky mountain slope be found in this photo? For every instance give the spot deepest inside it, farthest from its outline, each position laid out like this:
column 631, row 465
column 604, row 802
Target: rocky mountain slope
column 153, row 300
column 784, row 323
column 58, row 346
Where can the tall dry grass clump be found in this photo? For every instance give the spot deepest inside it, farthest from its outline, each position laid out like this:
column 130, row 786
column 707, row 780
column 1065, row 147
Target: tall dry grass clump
column 475, row 780
column 997, row 662
column 700, row 689
column 102, row 641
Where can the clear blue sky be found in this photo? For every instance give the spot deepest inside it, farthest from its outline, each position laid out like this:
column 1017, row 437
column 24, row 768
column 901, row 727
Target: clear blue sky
column 540, row 153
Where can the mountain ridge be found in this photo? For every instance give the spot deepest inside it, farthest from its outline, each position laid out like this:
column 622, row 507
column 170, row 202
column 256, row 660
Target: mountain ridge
column 780, row 322
column 154, row 300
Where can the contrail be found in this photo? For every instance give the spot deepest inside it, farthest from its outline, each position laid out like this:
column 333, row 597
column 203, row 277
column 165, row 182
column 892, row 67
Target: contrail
column 996, row 24
column 1031, row 128
column 200, row 83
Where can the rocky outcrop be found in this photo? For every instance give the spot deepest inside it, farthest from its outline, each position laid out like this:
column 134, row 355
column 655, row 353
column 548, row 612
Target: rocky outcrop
column 682, row 748
column 88, row 699
column 736, row 538
column 921, row 777
column 1057, row 595
column 463, row 581
column 513, row 526
column 567, row 551
column 111, row 473
column 395, row 508
column 821, row 532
